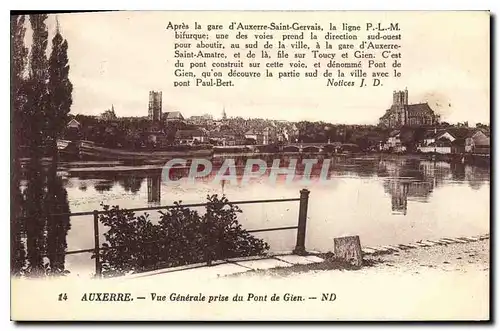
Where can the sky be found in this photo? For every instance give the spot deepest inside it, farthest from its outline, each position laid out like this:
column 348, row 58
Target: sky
column 116, row 58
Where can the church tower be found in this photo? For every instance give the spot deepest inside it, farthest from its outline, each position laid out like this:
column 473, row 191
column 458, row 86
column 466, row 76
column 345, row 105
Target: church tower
column 154, row 106
column 400, row 105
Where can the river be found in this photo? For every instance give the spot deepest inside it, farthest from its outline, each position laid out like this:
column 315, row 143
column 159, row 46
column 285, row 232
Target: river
column 384, row 199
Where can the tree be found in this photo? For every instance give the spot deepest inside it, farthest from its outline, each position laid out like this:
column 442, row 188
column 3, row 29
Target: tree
column 60, row 89
column 37, row 98
column 35, row 87
column 19, row 58
column 109, row 115
column 40, row 105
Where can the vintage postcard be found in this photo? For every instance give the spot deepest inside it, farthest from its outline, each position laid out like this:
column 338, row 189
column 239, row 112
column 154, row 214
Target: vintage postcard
column 260, row 165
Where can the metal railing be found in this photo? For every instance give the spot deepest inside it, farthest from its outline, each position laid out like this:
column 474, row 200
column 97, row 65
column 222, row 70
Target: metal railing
column 301, row 225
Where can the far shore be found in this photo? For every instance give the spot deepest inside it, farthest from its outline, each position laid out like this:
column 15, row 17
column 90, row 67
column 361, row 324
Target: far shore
column 479, row 160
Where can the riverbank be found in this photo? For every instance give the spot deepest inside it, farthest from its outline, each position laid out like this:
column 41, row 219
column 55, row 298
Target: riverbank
column 459, row 255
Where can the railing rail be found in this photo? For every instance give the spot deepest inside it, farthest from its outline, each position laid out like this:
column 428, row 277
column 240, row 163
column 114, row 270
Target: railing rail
column 301, row 225
column 202, row 204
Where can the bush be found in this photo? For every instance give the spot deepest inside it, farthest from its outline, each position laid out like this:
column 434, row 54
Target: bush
column 182, row 236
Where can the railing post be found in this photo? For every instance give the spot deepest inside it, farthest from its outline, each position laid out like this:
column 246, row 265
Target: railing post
column 97, row 245
column 208, row 239
column 300, row 248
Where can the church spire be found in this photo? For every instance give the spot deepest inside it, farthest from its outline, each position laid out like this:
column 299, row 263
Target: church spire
column 224, row 116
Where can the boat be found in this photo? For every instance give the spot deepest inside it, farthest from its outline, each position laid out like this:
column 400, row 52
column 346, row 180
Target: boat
column 89, row 150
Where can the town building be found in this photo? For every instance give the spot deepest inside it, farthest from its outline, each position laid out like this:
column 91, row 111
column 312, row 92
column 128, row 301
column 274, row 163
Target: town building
column 204, row 121
column 478, row 143
column 157, row 138
column 256, row 136
column 394, row 143
column 226, row 138
column 269, row 135
column 154, row 107
column 173, row 116
column 73, row 131
column 73, row 124
column 403, row 114
column 201, row 120
column 216, row 138
column 190, row 137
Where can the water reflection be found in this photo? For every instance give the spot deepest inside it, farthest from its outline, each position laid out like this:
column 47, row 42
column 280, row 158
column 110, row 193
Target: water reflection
column 131, row 183
column 18, row 250
column 103, row 185
column 33, row 221
column 154, row 187
column 41, row 226
column 399, row 193
column 416, row 179
column 57, row 220
column 404, row 178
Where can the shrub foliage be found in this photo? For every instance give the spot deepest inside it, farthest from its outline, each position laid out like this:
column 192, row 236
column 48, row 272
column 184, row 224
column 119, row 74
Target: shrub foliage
column 182, row 236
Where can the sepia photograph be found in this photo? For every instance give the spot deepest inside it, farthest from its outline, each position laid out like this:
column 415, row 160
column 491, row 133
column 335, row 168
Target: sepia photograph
column 250, row 165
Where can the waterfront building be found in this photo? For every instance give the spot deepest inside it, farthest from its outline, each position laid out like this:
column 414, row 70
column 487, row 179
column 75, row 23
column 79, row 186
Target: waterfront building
column 455, row 140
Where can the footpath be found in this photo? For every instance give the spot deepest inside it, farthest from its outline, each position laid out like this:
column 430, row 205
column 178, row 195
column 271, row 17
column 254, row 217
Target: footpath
column 421, row 253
